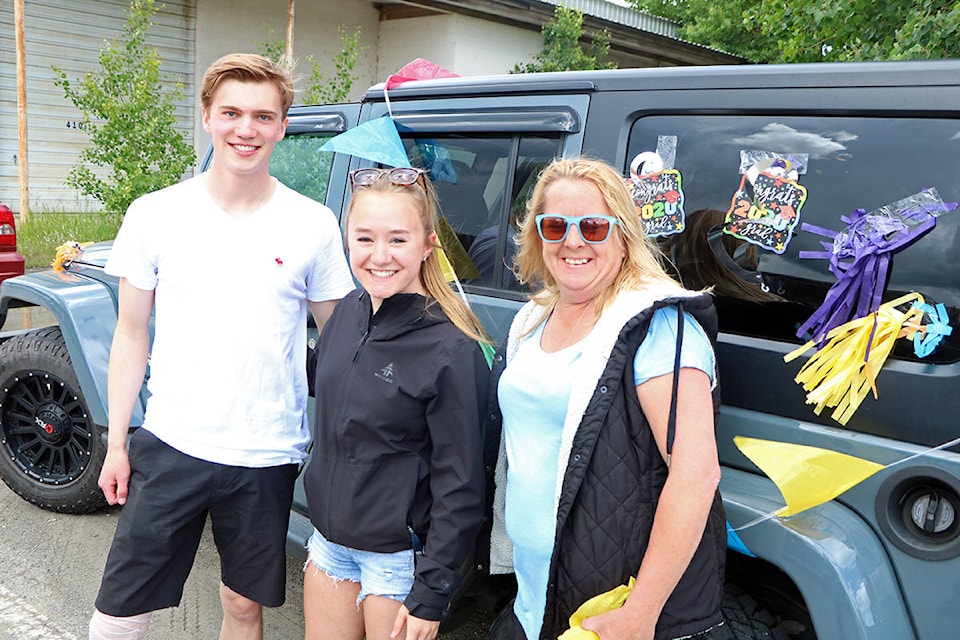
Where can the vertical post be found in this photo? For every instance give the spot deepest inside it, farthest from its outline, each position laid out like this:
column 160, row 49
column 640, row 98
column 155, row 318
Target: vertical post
column 288, row 53
column 22, row 110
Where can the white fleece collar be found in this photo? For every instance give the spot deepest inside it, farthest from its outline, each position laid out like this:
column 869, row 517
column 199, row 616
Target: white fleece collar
column 597, row 348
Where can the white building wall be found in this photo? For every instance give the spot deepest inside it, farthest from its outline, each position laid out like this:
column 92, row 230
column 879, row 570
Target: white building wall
column 243, row 25
column 488, row 47
column 403, row 40
column 467, row 46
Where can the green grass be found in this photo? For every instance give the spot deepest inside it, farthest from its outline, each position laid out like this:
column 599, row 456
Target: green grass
column 39, row 237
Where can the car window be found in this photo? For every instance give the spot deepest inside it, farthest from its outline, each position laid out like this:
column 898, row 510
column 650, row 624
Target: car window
column 297, row 164
column 483, row 184
column 852, row 163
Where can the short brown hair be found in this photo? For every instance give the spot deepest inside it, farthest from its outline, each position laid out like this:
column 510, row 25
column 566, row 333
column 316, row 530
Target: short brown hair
column 247, row 67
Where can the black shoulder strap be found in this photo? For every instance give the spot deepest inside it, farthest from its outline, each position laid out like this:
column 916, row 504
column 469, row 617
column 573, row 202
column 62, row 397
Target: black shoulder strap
column 672, row 419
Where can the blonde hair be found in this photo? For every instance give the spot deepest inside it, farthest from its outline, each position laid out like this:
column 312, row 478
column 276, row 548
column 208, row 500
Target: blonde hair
column 431, row 274
column 246, row 67
column 642, row 264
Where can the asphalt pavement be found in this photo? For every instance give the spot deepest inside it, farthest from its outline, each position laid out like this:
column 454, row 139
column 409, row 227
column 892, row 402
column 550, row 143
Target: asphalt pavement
column 50, row 568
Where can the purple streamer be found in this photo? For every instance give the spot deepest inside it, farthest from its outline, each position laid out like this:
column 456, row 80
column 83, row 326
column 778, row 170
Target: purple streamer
column 860, row 256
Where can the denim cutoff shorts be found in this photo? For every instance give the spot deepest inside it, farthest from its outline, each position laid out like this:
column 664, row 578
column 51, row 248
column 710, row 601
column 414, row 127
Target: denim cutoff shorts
column 389, row 575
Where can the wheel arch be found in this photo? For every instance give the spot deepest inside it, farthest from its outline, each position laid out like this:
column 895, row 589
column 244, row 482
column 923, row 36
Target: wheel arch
column 829, row 554
column 86, row 312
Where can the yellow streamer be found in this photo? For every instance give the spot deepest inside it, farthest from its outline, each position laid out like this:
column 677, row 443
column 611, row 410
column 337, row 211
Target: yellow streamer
column 841, row 374
column 806, row 476
column 607, row 601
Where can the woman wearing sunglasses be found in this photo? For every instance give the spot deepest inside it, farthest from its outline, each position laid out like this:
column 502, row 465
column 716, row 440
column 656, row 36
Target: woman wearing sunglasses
column 610, row 379
column 395, row 480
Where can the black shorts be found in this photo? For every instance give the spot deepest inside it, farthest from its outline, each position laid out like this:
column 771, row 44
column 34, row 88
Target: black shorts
column 161, row 523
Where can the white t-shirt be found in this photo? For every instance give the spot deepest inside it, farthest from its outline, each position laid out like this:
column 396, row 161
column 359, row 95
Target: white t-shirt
column 227, row 375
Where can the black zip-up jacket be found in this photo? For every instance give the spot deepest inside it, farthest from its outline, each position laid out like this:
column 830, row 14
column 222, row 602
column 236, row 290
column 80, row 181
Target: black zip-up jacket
column 397, row 439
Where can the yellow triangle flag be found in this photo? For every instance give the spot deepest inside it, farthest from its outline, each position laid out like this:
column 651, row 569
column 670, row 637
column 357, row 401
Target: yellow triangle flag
column 806, row 476
column 454, row 256
column 445, row 267
column 607, row 601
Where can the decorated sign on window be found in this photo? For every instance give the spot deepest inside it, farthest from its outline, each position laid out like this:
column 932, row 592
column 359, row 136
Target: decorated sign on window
column 657, row 193
column 765, row 209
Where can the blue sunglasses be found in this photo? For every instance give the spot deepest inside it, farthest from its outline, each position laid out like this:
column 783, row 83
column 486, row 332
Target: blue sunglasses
column 593, row 229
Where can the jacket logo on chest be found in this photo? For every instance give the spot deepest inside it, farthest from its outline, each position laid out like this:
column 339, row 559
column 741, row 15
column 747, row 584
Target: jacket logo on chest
column 385, row 374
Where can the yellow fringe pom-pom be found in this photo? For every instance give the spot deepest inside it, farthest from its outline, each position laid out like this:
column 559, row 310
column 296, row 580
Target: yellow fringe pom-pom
column 67, row 253
column 845, row 369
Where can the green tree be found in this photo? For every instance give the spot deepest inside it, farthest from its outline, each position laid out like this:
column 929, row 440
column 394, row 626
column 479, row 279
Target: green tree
column 320, row 89
column 273, row 47
column 861, row 29
column 836, row 30
column 127, row 110
column 561, row 46
column 718, row 25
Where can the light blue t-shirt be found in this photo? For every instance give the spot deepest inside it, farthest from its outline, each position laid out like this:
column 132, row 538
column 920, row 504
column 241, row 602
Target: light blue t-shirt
column 533, row 393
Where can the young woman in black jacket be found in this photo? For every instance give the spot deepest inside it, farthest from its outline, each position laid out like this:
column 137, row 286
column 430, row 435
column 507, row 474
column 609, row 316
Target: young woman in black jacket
column 395, row 480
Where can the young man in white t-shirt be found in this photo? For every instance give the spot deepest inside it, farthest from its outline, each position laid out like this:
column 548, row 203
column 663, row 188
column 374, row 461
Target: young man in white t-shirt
column 228, row 262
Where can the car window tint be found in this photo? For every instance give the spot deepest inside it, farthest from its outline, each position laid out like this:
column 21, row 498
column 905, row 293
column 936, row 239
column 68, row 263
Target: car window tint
column 853, row 162
column 296, row 163
column 483, row 184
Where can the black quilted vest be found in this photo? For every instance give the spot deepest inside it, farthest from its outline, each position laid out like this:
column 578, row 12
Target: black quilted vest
column 610, row 491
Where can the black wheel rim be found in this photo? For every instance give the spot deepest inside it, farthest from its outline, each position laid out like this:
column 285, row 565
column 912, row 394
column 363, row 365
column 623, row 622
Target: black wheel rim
column 46, row 430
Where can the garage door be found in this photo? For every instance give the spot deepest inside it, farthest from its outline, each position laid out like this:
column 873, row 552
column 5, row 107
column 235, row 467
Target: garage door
column 70, row 36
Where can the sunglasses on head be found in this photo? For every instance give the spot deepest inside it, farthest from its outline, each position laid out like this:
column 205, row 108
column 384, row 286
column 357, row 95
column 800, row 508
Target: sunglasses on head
column 400, row 176
column 593, row 229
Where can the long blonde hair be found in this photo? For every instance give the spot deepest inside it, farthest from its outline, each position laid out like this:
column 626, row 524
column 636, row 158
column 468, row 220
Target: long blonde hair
column 431, row 274
column 642, row 265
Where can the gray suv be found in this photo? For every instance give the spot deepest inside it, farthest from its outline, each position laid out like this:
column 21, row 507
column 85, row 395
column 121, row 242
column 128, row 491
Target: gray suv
column 881, row 561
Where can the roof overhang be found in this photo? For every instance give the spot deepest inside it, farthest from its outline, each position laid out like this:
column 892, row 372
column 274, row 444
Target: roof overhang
column 645, row 40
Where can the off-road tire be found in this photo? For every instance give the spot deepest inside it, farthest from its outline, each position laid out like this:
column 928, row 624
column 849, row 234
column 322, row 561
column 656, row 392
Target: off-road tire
column 51, row 452
column 746, row 619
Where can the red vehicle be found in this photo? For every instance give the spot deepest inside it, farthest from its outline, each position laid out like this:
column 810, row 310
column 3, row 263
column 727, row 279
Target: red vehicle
column 11, row 262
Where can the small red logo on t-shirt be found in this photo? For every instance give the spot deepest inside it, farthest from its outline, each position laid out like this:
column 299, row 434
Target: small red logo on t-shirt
column 279, row 262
